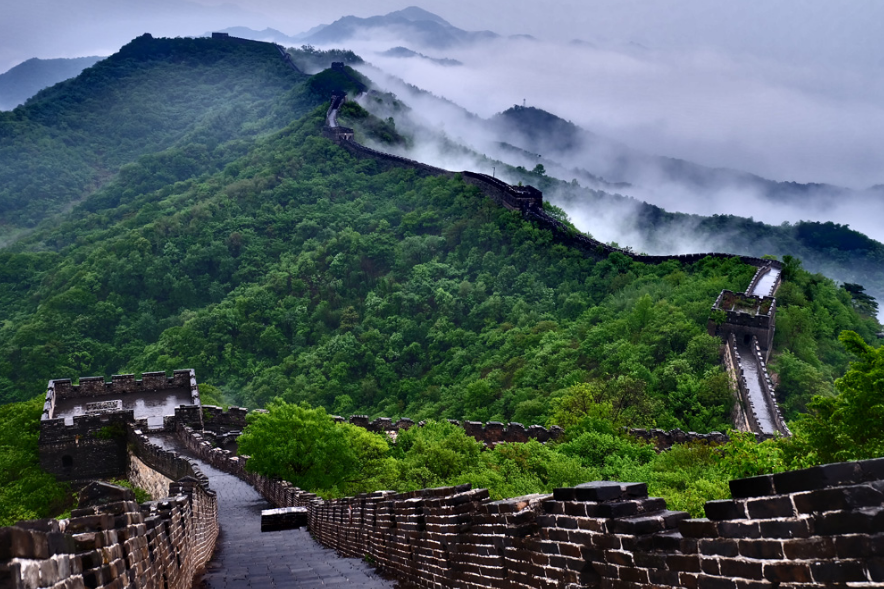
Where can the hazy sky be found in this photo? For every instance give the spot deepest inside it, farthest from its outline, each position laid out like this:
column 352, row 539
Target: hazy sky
column 789, row 89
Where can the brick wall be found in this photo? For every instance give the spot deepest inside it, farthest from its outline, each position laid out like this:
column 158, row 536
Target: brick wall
column 117, row 544
column 820, row 526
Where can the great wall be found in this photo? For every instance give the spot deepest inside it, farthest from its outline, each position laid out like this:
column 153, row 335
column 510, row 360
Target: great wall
column 747, row 320
column 822, row 526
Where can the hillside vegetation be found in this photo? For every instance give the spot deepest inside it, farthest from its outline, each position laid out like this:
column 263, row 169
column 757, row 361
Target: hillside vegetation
column 286, row 271
column 153, row 94
column 303, row 273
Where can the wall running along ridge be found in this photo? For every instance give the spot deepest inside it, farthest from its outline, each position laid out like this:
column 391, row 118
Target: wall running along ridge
column 819, row 526
column 529, row 201
column 115, row 543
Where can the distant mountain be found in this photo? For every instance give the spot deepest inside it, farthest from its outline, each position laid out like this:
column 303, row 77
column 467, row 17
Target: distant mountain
column 27, row 78
column 405, row 52
column 538, row 130
column 414, row 25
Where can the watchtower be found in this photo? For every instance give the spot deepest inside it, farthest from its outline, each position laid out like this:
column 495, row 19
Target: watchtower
column 83, row 426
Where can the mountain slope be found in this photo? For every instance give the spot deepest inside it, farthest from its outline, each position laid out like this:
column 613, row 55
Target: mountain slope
column 29, row 77
column 303, row 272
column 153, row 94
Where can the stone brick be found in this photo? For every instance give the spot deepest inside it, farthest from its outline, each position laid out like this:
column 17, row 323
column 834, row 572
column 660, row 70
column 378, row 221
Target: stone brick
column 752, row 487
column 787, row 572
column 850, row 522
column 719, row 547
column 698, row 528
column 739, row 529
column 770, row 507
column 761, row 549
column 707, row 582
column 854, row 546
column 725, row 509
column 808, row 549
column 737, row 567
column 785, row 529
column 680, row 562
column 838, row 571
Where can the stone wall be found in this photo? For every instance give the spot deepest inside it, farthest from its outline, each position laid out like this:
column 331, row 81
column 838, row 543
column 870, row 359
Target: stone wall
column 94, row 447
column 144, row 477
column 767, row 386
column 819, row 526
column 111, row 542
column 120, row 384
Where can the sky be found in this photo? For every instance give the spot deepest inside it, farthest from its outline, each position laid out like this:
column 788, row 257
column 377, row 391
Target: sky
column 791, row 90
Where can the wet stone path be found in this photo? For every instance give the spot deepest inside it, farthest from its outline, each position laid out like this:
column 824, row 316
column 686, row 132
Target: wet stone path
column 247, row 558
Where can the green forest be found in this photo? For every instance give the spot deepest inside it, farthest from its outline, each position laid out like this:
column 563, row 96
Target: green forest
column 292, row 275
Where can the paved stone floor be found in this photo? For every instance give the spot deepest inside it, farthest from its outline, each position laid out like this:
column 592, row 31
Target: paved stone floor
column 289, row 559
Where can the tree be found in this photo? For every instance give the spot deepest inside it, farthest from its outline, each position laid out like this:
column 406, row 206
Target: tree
column 539, row 170
column 848, row 426
column 301, row 445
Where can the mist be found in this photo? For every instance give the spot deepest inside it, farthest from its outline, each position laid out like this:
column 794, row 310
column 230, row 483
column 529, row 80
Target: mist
column 778, row 121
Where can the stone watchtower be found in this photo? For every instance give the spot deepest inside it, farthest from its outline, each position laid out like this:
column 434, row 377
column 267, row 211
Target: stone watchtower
column 83, row 426
column 744, row 316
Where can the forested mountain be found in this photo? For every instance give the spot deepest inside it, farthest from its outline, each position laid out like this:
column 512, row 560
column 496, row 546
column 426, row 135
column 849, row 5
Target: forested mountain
column 153, row 94
column 298, row 271
column 280, row 265
column 212, row 226
column 29, row 77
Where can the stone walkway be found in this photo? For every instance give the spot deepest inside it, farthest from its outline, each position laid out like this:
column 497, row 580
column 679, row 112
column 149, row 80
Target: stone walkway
column 245, row 557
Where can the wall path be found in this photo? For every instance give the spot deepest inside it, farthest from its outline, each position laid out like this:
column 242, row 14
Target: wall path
column 822, row 526
column 244, row 557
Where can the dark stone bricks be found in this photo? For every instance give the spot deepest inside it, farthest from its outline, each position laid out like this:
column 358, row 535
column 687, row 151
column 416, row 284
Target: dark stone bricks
column 707, row 582
column 853, row 497
column 98, row 493
column 752, row 487
column 719, row 548
column 761, row 549
column 725, row 509
column 843, row 571
column 770, row 507
column 808, row 549
column 698, row 528
column 744, row 569
column 787, row 572
column 739, row 530
column 818, row 477
column 785, row 529
column 851, row 522
column 686, row 563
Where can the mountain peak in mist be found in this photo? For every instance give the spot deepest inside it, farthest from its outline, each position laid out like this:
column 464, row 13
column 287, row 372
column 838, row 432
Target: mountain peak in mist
column 413, row 25
column 416, row 13
column 31, row 76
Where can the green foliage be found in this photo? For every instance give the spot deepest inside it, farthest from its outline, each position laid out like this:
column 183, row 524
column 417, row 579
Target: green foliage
column 368, row 125
column 153, row 94
column 26, row 492
column 305, row 446
column 432, row 455
column 848, row 426
column 140, row 494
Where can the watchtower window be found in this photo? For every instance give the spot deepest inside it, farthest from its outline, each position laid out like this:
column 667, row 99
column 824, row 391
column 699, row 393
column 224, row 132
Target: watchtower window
column 67, row 461
column 747, row 339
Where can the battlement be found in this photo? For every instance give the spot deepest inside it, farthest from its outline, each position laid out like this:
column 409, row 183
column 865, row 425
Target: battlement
column 82, row 429
column 819, row 526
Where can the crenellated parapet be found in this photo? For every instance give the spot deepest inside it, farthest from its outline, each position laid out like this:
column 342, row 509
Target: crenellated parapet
column 816, row 527
column 83, row 426
column 491, row 433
